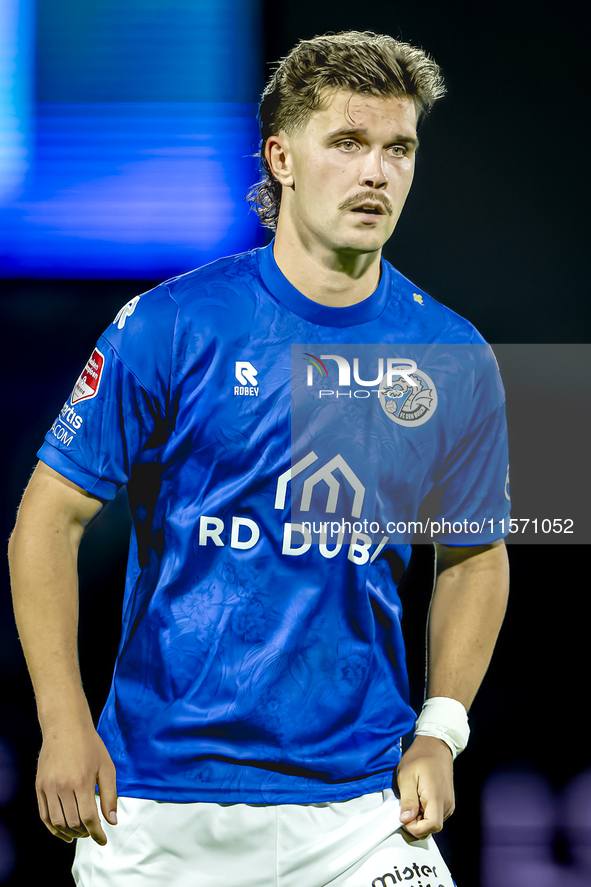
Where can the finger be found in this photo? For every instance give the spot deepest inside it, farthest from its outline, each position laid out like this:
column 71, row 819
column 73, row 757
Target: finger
column 89, row 816
column 57, row 817
column 431, row 820
column 73, row 827
column 422, row 828
column 410, row 805
column 410, row 810
column 107, row 785
column 44, row 814
column 70, row 810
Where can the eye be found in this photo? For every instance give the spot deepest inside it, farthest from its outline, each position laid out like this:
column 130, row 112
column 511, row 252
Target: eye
column 347, row 145
column 399, row 150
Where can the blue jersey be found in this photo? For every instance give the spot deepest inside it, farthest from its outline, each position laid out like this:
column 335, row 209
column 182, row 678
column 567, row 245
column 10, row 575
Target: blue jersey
column 278, row 455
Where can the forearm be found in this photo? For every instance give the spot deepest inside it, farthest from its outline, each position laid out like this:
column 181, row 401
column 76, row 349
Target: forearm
column 43, row 553
column 465, row 617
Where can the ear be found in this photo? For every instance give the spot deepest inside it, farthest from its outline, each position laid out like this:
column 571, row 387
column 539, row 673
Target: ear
column 278, row 156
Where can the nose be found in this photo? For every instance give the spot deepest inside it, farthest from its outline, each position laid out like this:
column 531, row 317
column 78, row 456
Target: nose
column 373, row 173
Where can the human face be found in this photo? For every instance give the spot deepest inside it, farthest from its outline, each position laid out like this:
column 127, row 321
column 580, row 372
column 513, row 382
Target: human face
column 352, row 167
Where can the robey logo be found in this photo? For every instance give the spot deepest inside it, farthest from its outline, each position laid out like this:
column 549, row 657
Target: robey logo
column 125, row 312
column 246, row 374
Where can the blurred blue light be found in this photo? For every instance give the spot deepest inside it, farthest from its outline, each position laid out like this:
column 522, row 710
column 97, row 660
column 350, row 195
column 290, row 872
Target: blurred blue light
column 149, row 50
column 134, row 188
column 16, row 74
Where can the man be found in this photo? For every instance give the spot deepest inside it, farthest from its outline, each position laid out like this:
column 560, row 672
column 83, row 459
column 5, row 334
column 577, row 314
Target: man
column 260, row 694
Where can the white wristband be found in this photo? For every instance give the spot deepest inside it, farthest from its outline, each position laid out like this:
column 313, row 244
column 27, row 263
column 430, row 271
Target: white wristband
column 445, row 719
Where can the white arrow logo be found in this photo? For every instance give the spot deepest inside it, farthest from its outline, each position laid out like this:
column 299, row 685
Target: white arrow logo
column 246, row 373
column 324, row 474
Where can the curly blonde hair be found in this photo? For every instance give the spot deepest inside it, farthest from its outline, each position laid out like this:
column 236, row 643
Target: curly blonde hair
column 360, row 61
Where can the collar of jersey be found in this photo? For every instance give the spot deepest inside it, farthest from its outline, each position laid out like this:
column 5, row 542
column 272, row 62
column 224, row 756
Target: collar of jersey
column 324, row 315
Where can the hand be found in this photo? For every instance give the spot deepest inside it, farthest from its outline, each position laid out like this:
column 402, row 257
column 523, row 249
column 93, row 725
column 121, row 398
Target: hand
column 71, row 764
column 425, row 785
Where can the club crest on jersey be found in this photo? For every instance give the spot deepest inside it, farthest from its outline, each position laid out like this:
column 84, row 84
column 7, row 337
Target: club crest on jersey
column 408, row 395
column 89, row 379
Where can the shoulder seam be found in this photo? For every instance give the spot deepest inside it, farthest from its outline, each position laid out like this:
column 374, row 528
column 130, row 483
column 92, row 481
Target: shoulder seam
column 126, row 365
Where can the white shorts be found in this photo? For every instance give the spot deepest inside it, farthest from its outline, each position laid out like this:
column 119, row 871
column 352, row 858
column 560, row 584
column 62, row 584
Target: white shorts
column 356, row 843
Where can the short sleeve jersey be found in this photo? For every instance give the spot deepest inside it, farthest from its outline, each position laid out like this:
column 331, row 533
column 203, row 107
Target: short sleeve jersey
column 277, row 455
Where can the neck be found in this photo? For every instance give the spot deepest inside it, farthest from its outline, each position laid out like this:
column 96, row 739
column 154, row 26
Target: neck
column 333, row 278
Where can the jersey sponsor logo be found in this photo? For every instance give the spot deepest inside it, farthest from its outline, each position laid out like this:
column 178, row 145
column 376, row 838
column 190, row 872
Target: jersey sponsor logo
column 67, row 425
column 409, row 873
column 89, row 380
column 244, row 532
column 408, row 396
column 507, row 494
column 246, row 374
column 71, row 417
column 359, row 550
column 62, row 434
column 125, row 312
column 324, row 474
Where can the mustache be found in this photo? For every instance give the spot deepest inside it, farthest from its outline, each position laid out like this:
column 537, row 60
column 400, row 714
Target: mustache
column 363, row 196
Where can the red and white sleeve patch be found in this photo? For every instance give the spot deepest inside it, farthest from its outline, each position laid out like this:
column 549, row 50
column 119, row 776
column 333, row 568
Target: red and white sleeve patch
column 89, row 380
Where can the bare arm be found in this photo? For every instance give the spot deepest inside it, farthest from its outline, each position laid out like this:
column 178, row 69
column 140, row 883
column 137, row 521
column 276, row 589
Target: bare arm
column 465, row 618
column 43, row 555
column 466, row 614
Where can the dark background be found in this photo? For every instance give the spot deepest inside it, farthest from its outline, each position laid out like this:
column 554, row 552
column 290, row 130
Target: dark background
column 496, row 227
